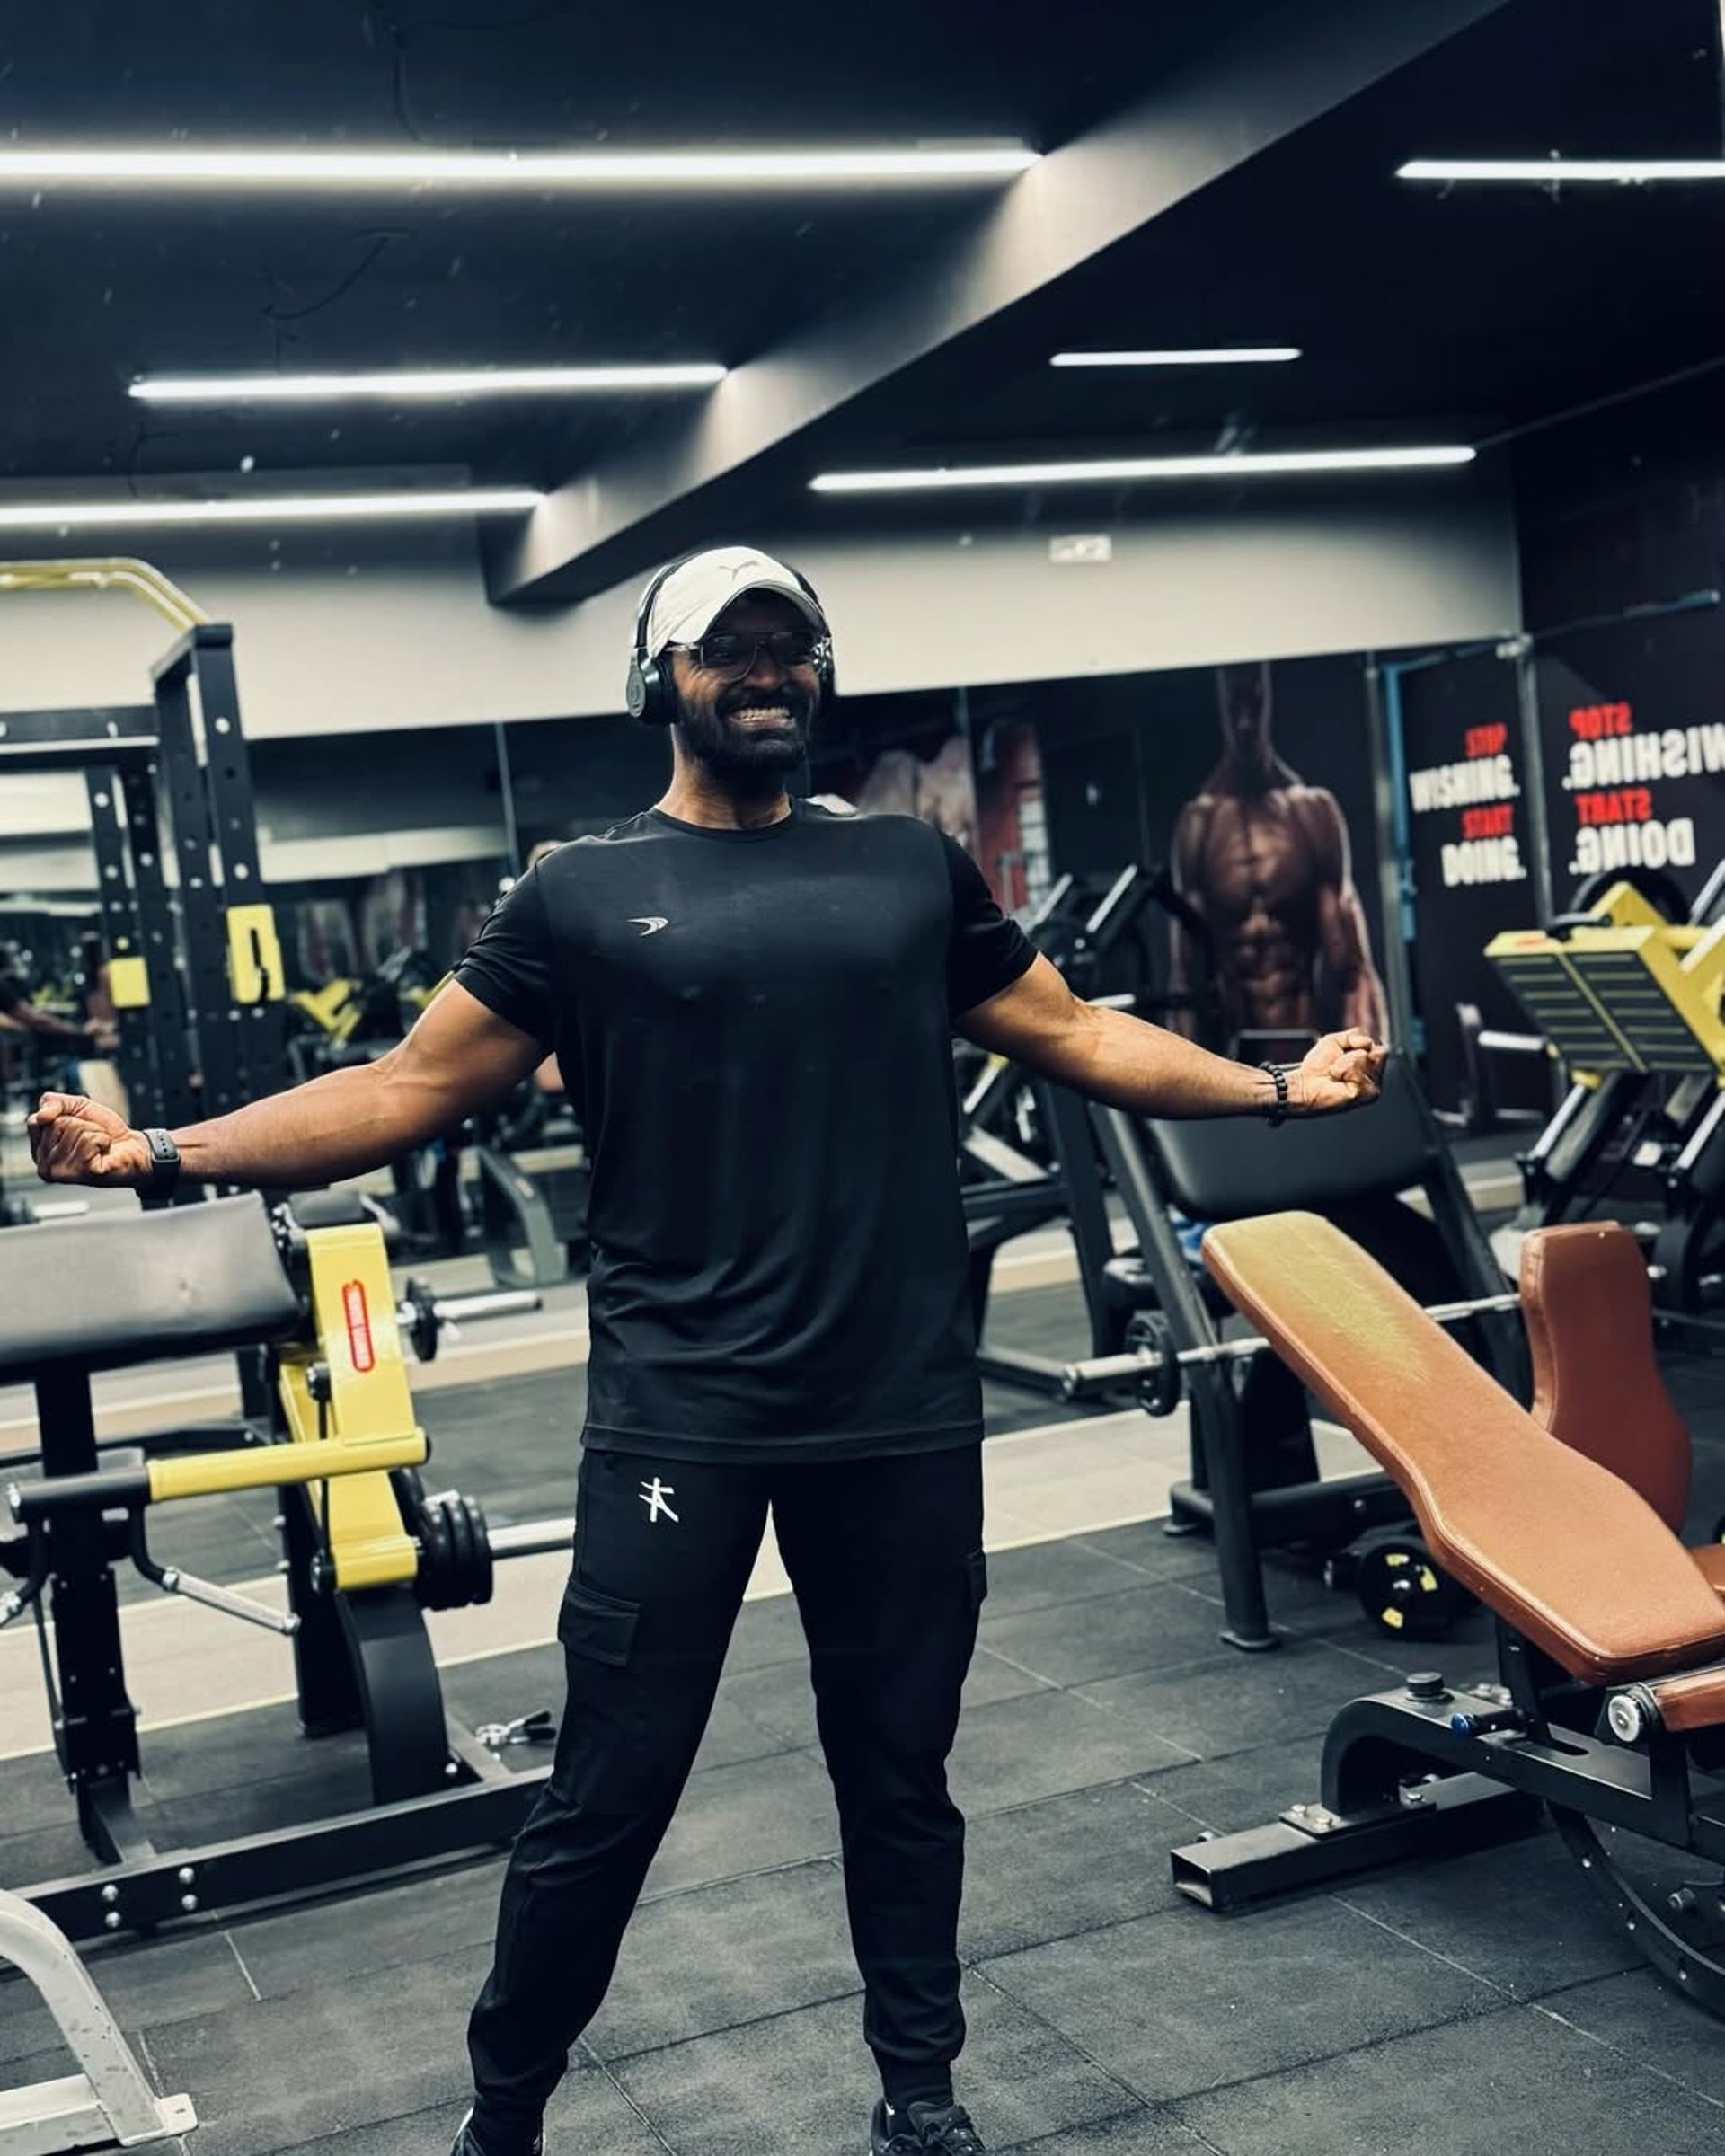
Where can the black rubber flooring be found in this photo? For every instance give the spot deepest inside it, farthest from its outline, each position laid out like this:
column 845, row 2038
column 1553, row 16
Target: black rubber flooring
column 1474, row 2007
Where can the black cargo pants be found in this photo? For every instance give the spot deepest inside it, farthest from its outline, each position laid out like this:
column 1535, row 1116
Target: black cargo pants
column 886, row 1560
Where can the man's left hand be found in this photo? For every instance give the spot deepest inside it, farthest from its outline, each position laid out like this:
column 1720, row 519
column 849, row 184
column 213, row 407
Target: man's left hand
column 1343, row 1070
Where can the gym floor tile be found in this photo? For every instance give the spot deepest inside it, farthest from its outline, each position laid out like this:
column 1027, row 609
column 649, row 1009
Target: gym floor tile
column 1044, row 1575
column 1047, row 1871
column 145, row 1985
column 1106, row 1635
column 1138, row 2132
column 355, row 1935
column 804, row 2081
column 50, row 1852
column 738, row 1730
column 1177, row 2003
column 1019, row 1750
column 323, row 2060
column 722, row 1955
column 1514, row 2080
column 779, row 1701
column 1521, row 1917
column 33, row 1794
column 498, row 1688
column 264, row 1807
column 1244, row 1789
column 767, row 1632
column 1650, row 2025
column 589, row 2112
column 231, row 1751
column 1148, row 1548
column 750, row 1817
column 1230, row 1701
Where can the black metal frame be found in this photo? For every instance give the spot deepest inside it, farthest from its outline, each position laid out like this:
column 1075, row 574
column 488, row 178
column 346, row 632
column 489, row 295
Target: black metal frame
column 192, row 1051
column 1432, row 1769
column 1070, row 1191
column 1249, row 1503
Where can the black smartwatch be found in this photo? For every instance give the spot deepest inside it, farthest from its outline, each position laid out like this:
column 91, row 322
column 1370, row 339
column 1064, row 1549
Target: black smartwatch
column 165, row 1165
column 1277, row 1111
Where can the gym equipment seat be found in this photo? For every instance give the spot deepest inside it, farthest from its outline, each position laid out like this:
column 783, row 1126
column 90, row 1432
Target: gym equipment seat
column 1611, row 1636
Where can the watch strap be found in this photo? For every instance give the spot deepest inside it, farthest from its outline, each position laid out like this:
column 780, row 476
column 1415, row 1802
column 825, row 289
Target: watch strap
column 164, row 1165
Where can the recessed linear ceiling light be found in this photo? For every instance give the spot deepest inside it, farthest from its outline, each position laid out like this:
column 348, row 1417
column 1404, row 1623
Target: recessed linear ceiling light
column 404, row 383
column 1245, row 464
column 1620, row 172
column 600, row 170
column 1234, row 355
column 280, row 509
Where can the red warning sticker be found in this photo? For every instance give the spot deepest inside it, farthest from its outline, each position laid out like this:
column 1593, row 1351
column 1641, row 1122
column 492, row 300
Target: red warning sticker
column 358, row 1316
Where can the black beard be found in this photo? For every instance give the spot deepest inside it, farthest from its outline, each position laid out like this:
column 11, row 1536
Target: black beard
column 756, row 761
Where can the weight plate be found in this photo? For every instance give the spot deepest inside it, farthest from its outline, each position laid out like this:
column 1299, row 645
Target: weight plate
column 437, row 1554
column 462, row 1556
column 422, row 1323
column 1402, row 1590
column 1161, row 1382
column 484, row 1565
column 410, row 1495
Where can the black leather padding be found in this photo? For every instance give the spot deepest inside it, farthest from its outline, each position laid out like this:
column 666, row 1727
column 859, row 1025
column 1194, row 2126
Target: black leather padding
column 114, row 1289
column 1239, row 1167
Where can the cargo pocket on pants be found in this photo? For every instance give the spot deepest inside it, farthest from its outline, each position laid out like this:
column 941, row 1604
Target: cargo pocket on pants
column 603, row 1758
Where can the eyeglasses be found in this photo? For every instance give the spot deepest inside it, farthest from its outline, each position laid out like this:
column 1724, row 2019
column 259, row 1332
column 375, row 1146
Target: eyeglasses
column 731, row 655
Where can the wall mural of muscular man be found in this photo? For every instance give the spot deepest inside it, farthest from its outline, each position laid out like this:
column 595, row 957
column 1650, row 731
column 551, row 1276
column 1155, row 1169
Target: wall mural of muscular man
column 1262, row 859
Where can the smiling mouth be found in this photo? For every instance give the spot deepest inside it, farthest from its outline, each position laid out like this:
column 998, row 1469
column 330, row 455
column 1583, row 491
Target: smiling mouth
column 762, row 716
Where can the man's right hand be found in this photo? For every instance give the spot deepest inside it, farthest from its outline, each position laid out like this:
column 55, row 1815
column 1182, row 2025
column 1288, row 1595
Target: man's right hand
column 73, row 1139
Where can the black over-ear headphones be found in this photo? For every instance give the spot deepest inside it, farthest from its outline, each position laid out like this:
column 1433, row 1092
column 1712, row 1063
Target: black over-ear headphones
column 649, row 691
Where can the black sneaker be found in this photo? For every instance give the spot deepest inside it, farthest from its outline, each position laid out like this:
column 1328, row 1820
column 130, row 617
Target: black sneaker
column 925, row 2130
column 468, row 2142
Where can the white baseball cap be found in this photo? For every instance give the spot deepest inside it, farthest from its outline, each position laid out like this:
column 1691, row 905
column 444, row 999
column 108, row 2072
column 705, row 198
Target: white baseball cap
column 697, row 592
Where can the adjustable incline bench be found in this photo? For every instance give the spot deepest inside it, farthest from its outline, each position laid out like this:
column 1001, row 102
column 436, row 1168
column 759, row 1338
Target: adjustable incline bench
column 1611, row 1710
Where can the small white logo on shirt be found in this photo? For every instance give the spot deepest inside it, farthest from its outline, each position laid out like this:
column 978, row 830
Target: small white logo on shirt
column 649, row 924
column 653, row 1495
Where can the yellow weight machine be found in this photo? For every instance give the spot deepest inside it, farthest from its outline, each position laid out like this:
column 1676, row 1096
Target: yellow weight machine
column 367, row 1553
column 1631, row 1003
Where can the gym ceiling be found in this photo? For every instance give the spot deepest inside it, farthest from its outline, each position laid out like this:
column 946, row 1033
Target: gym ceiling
column 1214, row 174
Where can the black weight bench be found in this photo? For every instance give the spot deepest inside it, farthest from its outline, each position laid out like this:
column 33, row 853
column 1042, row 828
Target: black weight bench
column 1254, row 1480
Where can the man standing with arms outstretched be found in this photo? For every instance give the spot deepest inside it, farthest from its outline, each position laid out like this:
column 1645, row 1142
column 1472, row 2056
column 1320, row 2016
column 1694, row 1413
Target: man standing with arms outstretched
column 752, row 1001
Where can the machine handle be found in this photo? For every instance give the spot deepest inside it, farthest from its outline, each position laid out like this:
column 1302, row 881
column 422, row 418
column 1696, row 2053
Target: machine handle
column 248, row 1467
column 172, row 1581
column 499, row 1303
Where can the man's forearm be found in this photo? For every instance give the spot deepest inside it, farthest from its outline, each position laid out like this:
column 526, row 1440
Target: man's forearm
column 343, row 1124
column 46, row 1025
column 1149, row 1071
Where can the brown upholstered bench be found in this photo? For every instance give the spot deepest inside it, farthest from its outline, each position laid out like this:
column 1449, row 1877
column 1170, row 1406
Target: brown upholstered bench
column 1611, row 1710
column 1562, row 1548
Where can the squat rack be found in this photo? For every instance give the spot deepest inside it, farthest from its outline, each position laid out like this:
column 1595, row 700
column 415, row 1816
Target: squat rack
column 195, row 969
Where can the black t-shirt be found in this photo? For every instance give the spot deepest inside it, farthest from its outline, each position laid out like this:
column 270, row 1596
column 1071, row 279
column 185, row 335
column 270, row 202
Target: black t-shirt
column 10, row 995
column 755, row 1027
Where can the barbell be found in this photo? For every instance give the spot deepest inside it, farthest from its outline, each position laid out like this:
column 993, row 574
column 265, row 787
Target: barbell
column 1154, row 1366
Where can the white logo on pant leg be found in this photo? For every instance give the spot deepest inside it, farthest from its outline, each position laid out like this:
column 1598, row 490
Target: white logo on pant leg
column 649, row 924
column 653, row 1495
